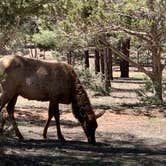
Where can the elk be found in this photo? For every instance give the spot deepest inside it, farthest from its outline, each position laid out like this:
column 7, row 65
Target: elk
column 46, row 81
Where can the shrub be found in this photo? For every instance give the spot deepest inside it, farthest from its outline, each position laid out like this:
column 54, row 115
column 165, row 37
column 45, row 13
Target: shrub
column 94, row 82
column 45, row 38
column 146, row 93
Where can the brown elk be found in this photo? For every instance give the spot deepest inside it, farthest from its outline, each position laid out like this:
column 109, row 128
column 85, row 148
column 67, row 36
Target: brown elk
column 46, row 81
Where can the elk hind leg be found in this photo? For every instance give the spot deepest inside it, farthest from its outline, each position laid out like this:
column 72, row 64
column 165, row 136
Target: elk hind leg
column 50, row 115
column 53, row 111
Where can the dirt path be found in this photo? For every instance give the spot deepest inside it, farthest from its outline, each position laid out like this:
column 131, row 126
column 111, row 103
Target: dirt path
column 122, row 140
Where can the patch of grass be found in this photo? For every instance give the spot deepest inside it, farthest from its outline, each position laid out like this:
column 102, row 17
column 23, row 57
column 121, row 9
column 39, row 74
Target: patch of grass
column 134, row 75
column 102, row 102
column 102, row 106
column 116, row 74
column 154, row 120
column 137, row 75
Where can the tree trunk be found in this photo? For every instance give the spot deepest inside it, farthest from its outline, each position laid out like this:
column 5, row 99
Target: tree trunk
column 36, row 53
column 107, row 68
column 31, row 50
column 69, row 57
column 109, row 51
column 102, row 61
column 157, row 85
column 97, row 61
column 86, row 58
column 124, row 65
column 157, row 73
column 157, row 67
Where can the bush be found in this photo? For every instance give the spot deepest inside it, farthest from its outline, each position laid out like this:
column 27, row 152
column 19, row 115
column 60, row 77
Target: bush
column 94, row 82
column 44, row 38
column 146, row 93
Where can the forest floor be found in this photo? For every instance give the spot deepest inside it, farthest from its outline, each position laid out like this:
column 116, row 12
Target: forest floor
column 127, row 134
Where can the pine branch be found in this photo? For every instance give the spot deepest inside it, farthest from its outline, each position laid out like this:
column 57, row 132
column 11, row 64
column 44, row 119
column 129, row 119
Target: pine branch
column 138, row 34
column 141, row 35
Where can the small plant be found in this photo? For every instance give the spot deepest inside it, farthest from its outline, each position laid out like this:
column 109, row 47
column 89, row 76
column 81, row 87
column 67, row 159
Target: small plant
column 146, row 93
column 93, row 81
column 150, row 100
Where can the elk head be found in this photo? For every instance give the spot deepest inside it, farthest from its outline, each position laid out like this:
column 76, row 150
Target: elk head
column 89, row 126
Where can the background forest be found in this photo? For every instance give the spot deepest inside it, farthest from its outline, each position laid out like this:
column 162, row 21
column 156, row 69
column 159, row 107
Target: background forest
column 130, row 31
column 73, row 28
column 118, row 49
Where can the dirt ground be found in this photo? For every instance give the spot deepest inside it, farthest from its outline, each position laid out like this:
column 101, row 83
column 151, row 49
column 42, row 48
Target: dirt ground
column 126, row 136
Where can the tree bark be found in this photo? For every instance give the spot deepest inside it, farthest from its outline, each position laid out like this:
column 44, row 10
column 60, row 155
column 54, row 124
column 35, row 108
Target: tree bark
column 157, row 73
column 36, row 53
column 156, row 61
column 109, row 51
column 97, row 61
column 124, row 65
column 86, row 58
column 102, row 61
column 107, row 68
column 69, row 57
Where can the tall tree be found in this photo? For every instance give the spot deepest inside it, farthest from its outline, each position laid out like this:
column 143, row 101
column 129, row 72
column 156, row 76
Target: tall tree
column 86, row 58
column 108, row 68
column 97, row 61
column 102, row 61
column 88, row 18
column 148, row 26
column 13, row 13
column 124, row 65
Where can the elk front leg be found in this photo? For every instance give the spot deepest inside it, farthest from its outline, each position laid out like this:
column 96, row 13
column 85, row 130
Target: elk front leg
column 10, row 110
column 57, row 120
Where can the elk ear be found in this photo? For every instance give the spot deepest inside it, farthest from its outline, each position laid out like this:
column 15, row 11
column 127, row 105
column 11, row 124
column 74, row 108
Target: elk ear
column 99, row 114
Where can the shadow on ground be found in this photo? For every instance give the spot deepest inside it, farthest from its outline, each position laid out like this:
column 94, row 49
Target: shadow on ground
column 130, row 151
column 52, row 152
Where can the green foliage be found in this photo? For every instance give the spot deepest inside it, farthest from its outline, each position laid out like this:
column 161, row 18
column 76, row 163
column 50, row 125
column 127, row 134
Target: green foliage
column 164, row 83
column 150, row 100
column 93, row 81
column 11, row 10
column 45, row 38
column 146, row 93
column 68, row 24
column 66, row 43
column 148, row 85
